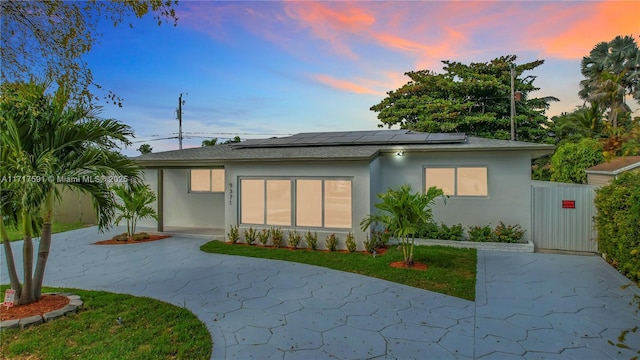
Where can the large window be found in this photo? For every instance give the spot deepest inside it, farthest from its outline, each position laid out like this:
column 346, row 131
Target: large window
column 300, row 202
column 460, row 181
column 206, row 180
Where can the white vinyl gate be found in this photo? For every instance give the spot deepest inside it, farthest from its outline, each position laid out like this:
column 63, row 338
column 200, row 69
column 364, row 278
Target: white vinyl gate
column 563, row 216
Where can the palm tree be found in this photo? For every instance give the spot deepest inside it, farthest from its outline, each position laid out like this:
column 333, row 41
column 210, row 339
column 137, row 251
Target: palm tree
column 45, row 143
column 584, row 122
column 404, row 213
column 212, row 142
column 134, row 205
column 611, row 72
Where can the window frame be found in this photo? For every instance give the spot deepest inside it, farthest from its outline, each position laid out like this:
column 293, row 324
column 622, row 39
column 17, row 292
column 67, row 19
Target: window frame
column 456, row 179
column 293, row 198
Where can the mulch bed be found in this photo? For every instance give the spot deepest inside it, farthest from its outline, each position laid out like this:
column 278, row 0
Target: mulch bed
column 46, row 304
column 118, row 242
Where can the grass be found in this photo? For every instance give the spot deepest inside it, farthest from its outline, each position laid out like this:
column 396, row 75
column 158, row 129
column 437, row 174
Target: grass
column 16, row 235
column 451, row 271
column 152, row 329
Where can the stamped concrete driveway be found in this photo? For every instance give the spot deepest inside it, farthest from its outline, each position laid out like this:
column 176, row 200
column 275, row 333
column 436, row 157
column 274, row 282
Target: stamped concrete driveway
column 528, row 305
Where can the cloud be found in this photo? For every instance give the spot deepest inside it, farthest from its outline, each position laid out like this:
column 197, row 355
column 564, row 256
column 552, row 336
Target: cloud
column 346, row 85
column 571, row 32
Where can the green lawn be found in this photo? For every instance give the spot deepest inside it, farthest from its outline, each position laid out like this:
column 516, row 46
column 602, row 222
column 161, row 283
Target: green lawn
column 152, row 329
column 16, row 235
column 451, row 271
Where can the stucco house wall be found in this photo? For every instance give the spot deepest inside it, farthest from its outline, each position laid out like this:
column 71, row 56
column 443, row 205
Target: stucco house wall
column 358, row 172
column 186, row 209
column 150, row 177
column 508, row 179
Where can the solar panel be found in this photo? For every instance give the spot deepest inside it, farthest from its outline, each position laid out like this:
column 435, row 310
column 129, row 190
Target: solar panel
column 373, row 137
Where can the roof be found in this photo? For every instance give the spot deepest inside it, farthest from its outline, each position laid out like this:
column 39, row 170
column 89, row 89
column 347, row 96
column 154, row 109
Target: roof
column 615, row 166
column 299, row 148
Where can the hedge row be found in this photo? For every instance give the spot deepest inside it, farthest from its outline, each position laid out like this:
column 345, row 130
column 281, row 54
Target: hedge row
column 618, row 223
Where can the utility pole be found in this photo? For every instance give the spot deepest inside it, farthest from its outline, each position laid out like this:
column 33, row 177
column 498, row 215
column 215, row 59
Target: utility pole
column 180, row 102
column 512, row 68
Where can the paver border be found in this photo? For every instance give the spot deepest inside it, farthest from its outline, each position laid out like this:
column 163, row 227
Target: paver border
column 74, row 303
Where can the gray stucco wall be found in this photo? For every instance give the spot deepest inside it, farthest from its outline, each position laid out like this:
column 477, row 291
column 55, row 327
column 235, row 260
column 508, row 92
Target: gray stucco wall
column 357, row 171
column 182, row 208
column 509, row 186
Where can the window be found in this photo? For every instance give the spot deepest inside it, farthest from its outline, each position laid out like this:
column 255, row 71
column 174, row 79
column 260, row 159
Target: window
column 461, row 181
column 206, row 180
column 309, row 203
column 279, row 202
column 337, row 203
column 252, row 203
column 313, row 203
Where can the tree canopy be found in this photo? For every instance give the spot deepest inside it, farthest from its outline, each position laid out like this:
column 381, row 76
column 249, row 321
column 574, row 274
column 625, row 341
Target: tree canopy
column 474, row 99
column 47, row 39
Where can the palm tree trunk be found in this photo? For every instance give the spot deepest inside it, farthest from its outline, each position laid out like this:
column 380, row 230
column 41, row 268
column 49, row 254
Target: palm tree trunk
column 11, row 265
column 27, row 296
column 45, row 245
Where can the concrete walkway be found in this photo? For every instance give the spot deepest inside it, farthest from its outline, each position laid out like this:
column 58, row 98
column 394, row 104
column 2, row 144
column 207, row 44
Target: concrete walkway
column 528, row 305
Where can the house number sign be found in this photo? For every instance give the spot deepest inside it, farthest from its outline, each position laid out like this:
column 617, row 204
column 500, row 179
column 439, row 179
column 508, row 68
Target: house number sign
column 230, row 192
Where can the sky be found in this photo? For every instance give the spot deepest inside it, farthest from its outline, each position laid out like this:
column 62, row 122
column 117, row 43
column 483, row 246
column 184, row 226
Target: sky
column 272, row 68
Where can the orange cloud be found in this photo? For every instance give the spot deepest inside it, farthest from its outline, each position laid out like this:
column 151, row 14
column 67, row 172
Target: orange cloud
column 365, row 86
column 588, row 24
column 331, row 25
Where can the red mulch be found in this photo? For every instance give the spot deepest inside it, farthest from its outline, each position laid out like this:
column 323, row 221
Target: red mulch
column 416, row 265
column 118, row 242
column 46, row 304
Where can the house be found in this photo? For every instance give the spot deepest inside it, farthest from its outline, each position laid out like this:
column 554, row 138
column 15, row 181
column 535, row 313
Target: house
column 327, row 181
column 603, row 174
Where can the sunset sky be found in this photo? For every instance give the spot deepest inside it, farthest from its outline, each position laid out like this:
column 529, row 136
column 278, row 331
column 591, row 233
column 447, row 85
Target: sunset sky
column 270, row 68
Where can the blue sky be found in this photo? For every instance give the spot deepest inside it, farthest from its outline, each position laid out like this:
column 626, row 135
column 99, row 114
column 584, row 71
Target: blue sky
column 267, row 67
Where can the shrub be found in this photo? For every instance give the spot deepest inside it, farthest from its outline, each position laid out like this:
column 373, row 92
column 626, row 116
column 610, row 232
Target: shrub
column 332, row 242
column 508, row 234
column 250, row 235
column 480, row 233
column 294, row 239
column 370, row 244
column 351, row 242
column 311, row 239
column 277, row 237
column 263, row 237
column 430, row 230
column 234, row 234
column 617, row 220
column 453, row 232
column 570, row 160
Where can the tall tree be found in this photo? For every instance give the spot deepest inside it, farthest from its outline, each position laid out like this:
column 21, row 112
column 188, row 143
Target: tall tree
column 48, row 39
column 145, row 149
column 211, row 142
column 612, row 71
column 584, row 122
column 473, row 98
column 46, row 143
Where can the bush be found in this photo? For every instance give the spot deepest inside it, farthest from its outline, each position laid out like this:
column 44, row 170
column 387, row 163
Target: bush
column 508, row 234
column 480, row 233
column 370, row 245
column 277, row 237
column 428, row 231
column 570, row 160
column 351, row 242
column 332, row 242
column 453, row 232
column 250, row 235
column 234, row 234
column 263, row 237
column 294, row 239
column 618, row 206
column 311, row 239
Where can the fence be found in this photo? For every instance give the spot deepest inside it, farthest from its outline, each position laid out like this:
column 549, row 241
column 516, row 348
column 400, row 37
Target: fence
column 563, row 216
